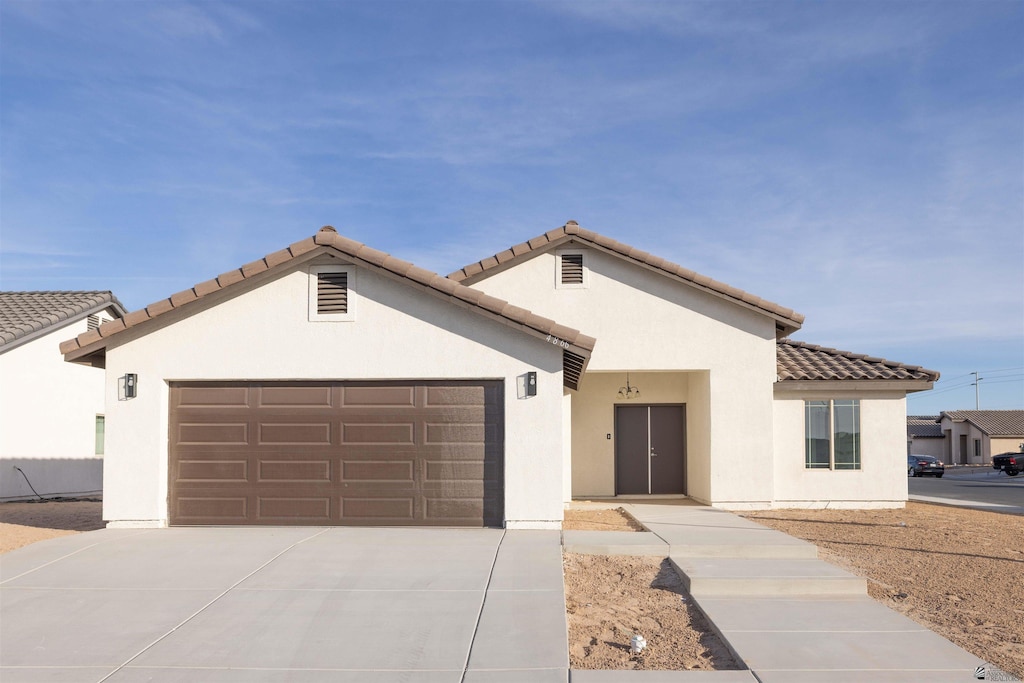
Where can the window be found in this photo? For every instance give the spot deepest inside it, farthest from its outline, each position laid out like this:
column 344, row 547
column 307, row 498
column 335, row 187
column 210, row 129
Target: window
column 330, row 293
column 832, row 434
column 101, row 428
column 571, row 271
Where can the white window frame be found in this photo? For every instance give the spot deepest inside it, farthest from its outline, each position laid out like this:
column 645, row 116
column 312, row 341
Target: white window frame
column 314, row 315
column 558, row 269
column 832, row 436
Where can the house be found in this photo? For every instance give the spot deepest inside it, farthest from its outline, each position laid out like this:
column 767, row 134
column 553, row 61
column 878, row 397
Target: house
column 925, row 437
column 972, row 437
column 51, row 412
column 331, row 383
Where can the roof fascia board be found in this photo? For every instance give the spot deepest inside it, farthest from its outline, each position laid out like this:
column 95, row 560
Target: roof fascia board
column 92, row 353
column 83, row 354
column 43, row 331
column 788, row 326
column 839, row 385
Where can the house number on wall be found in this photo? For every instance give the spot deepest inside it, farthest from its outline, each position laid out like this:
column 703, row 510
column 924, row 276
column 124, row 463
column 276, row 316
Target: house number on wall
column 558, row 342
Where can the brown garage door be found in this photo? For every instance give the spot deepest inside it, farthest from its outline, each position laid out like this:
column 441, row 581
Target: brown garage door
column 351, row 453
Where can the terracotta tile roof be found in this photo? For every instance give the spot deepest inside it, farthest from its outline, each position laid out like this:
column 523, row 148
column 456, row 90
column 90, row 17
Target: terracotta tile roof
column 24, row 314
column 992, row 422
column 326, row 240
column 801, row 361
column 572, row 232
column 924, row 427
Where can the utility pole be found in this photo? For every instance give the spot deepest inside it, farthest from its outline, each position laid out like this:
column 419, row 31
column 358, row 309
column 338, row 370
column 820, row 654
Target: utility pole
column 977, row 401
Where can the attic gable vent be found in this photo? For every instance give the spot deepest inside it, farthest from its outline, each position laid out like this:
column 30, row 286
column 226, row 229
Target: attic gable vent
column 332, row 292
column 93, row 322
column 572, row 269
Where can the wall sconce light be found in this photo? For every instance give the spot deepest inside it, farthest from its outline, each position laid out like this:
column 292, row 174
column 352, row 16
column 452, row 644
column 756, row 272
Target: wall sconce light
column 128, row 386
column 629, row 391
column 531, row 384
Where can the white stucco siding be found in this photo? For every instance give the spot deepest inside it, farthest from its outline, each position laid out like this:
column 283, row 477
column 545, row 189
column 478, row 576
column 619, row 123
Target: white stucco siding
column 399, row 332
column 647, row 322
column 882, row 479
column 48, row 412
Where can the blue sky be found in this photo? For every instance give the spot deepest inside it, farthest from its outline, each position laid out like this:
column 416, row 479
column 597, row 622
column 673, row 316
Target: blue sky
column 859, row 162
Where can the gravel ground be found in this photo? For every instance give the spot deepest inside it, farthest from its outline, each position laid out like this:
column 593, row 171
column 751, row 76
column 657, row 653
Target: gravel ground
column 23, row 523
column 595, row 519
column 608, row 599
column 956, row 571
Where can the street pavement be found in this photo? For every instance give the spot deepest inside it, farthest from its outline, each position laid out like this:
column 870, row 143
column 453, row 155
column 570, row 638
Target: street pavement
column 980, row 488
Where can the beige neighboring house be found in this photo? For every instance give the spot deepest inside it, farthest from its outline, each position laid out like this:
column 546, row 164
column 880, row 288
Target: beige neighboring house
column 972, row 437
column 51, row 412
column 331, row 383
column 925, row 437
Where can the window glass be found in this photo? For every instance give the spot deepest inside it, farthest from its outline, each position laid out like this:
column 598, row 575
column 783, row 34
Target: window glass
column 817, row 434
column 101, row 429
column 846, row 423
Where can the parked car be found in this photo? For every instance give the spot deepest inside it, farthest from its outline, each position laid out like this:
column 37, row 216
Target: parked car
column 920, row 465
column 1011, row 463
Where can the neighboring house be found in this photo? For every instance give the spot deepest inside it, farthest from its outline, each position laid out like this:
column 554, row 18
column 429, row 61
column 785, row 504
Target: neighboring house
column 331, row 383
column 972, row 437
column 51, row 412
column 925, row 437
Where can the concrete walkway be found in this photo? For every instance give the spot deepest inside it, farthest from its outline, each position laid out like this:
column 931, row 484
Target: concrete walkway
column 285, row 604
column 787, row 615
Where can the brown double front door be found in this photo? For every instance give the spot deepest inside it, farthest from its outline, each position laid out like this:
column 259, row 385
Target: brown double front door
column 650, row 449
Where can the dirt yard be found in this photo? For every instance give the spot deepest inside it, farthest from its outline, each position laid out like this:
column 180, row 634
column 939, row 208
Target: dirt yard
column 608, row 599
column 956, row 571
column 28, row 522
column 596, row 519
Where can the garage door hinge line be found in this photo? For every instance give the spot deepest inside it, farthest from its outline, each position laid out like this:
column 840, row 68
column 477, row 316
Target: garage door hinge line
column 210, row 603
column 483, row 601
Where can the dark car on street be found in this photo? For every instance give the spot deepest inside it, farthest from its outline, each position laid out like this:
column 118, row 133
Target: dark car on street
column 920, row 465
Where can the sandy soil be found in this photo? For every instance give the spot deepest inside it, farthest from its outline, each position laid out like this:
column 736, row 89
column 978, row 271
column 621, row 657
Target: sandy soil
column 958, row 572
column 27, row 522
column 608, row 599
column 594, row 519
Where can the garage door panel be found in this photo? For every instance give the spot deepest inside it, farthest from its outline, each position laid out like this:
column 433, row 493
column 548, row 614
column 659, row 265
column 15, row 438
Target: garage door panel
column 282, row 509
column 211, row 510
column 317, row 453
column 213, row 470
column 383, row 433
column 377, row 396
column 297, row 397
column 295, row 433
column 206, row 433
column 201, row 395
column 402, row 469
column 294, row 471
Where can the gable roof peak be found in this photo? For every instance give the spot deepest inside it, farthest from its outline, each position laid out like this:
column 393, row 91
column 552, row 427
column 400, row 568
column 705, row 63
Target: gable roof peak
column 787, row 320
column 326, row 240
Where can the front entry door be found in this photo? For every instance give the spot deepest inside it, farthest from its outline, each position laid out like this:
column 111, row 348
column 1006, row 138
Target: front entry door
column 650, row 449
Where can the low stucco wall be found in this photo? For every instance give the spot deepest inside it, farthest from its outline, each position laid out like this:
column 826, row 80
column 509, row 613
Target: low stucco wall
column 264, row 334
column 882, row 479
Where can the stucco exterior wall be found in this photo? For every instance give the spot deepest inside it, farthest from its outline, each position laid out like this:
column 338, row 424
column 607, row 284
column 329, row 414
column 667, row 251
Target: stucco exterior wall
column 882, row 479
column 399, row 332
column 1010, row 444
column 967, row 456
column 48, row 412
column 645, row 323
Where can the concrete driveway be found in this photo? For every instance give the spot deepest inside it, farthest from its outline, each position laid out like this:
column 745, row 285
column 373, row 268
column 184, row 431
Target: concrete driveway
column 285, row 604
